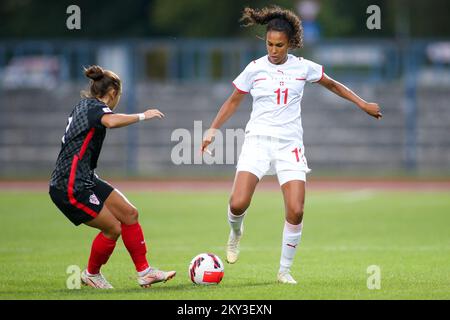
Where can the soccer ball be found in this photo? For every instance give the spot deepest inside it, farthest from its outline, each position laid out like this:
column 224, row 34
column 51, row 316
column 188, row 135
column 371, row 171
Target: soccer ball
column 206, row 268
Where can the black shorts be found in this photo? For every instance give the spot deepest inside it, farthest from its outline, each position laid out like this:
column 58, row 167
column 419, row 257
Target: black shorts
column 83, row 205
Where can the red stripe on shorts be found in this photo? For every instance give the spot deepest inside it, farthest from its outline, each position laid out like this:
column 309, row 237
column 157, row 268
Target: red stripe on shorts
column 73, row 173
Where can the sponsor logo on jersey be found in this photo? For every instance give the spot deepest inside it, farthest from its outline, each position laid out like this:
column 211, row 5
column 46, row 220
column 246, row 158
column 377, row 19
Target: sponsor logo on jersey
column 107, row 110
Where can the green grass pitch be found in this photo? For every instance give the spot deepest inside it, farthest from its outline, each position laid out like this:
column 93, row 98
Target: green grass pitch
column 406, row 234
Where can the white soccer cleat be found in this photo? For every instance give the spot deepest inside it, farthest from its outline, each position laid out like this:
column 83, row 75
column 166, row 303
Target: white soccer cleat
column 95, row 281
column 155, row 276
column 286, row 278
column 233, row 246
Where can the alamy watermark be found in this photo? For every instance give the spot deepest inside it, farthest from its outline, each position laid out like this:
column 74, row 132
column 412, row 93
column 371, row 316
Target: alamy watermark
column 224, row 149
column 73, row 281
column 374, row 278
column 374, row 20
column 73, row 22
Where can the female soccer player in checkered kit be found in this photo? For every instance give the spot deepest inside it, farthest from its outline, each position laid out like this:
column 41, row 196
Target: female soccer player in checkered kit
column 83, row 197
column 274, row 136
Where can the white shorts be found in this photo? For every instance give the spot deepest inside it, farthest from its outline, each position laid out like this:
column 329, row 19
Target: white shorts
column 264, row 155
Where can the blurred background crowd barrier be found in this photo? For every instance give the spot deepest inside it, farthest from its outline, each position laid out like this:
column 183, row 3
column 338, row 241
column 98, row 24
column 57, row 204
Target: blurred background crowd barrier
column 189, row 78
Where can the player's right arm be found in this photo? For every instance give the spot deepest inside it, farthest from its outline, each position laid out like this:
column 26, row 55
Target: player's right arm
column 118, row 120
column 228, row 108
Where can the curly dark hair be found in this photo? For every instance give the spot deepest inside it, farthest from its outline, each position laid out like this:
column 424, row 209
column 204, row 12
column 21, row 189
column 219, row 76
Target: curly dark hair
column 276, row 19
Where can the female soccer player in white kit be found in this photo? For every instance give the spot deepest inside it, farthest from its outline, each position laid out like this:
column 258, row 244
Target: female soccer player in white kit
column 274, row 134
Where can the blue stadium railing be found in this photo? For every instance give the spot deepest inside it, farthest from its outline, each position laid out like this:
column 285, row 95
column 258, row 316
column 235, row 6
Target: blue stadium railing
column 216, row 60
column 206, row 60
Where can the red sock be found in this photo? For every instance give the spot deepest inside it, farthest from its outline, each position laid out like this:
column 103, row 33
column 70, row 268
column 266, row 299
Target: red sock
column 101, row 250
column 133, row 238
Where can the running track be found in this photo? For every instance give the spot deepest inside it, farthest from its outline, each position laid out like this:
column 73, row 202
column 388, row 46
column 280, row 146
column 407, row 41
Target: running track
column 265, row 184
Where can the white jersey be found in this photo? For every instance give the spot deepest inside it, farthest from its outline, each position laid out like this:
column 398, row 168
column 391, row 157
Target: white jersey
column 277, row 91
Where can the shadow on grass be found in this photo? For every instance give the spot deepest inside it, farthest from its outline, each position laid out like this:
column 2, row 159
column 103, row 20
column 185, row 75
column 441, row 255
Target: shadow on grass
column 90, row 292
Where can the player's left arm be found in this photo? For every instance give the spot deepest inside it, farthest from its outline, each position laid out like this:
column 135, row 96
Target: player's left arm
column 338, row 88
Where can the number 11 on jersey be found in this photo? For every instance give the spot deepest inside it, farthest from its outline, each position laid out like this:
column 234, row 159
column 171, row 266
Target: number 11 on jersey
column 279, row 92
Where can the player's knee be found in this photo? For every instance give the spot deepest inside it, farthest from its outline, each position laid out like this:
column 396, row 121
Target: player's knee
column 117, row 230
column 113, row 231
column 238, row 205
column 295, row 213
column 133, row 215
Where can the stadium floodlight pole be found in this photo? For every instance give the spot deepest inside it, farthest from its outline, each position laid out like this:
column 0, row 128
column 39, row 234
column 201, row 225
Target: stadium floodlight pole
column 411, row 115
column 402, row 26
column 132, row 131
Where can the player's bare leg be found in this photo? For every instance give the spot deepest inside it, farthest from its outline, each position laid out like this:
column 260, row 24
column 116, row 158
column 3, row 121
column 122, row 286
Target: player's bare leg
column 102, row 248
column 294, row 200
column 133, row 238
column 241, row 196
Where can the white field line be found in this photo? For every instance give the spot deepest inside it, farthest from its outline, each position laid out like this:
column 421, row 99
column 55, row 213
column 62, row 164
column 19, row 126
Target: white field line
column 343, row 248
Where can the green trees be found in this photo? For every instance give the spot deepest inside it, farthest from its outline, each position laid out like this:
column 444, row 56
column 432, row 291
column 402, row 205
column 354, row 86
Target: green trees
column 211, row 18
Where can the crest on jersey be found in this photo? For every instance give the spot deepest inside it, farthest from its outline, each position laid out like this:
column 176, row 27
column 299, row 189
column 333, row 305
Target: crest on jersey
column 94, row 200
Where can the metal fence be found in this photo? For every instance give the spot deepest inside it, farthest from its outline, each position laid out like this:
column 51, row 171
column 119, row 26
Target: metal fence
column 407, row 71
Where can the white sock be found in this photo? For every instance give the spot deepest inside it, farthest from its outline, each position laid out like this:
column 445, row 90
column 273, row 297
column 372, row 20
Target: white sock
column 144, row 272
column 235, row 222
column 90, row 274
column 291, row 239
